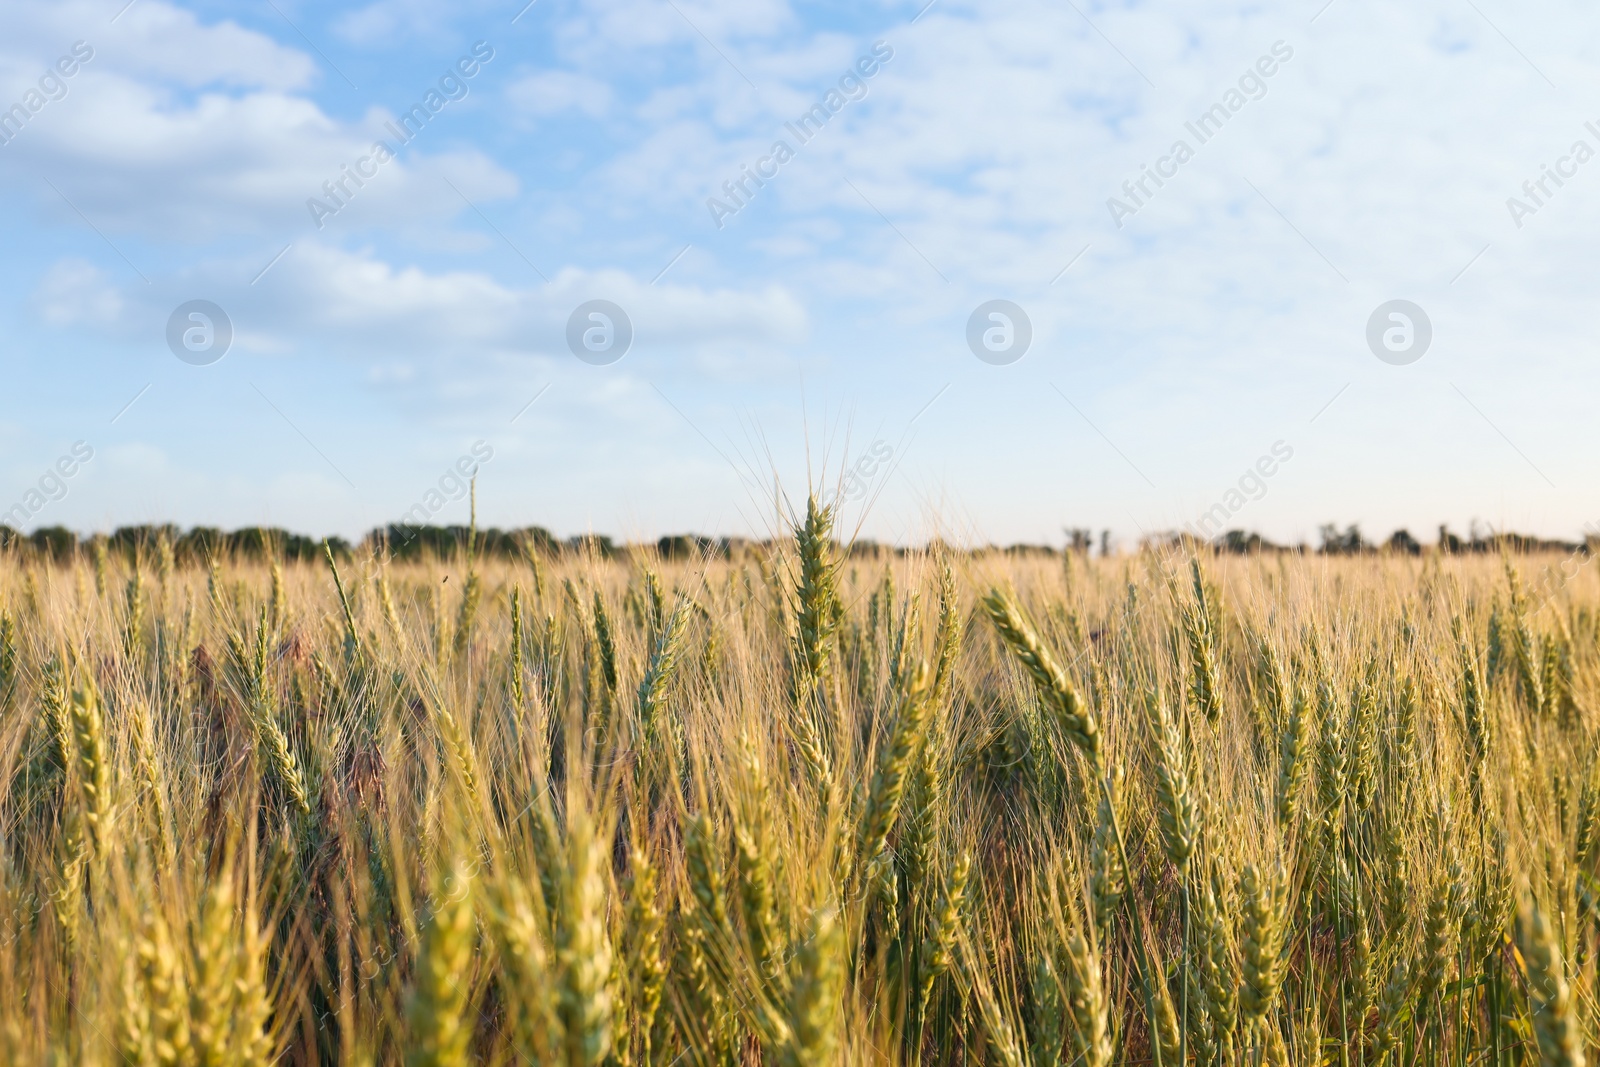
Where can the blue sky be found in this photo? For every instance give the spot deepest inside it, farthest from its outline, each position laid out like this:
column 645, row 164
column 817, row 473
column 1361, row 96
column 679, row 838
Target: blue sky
column 1178, row 335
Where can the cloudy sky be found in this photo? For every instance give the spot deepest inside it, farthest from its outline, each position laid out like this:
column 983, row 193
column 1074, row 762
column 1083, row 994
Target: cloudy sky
column 1314, row 163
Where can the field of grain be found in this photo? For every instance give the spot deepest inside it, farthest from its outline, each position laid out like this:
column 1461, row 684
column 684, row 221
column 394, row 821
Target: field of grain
column 797, row 807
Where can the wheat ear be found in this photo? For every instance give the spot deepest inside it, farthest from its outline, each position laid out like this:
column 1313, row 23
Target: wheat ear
column 1205, row 686
column 1179, row 815
column 1086, row 999
column 582, row 949
column 814, row 990
column 1057, row 691
column 1550, row 998
column 1265, row 898
column 441, row 1029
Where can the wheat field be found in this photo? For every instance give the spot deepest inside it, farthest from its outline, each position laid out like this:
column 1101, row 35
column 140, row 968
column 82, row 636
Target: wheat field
column 799, row 806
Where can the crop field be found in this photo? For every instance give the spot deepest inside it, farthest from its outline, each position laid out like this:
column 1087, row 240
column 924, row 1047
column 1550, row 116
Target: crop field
column 798, row 805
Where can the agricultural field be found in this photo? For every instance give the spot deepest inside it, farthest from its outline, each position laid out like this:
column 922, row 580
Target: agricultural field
column 797, row 806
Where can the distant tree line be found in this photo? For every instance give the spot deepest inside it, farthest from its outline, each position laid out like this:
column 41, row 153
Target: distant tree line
column 198, row 544
column 1351, row 542
column 399, row 541
column 402, row 541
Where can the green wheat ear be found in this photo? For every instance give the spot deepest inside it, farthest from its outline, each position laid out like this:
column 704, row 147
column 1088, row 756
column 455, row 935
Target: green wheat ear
column 582, row 947
column 102, row 567
column 94, row 776
column 815, row 598
column 938, row 949
column 441, row 1027
column 517, row 668
column 1077, row 720
column 644, row 950
column 1179, row 815
column 1555, row 1023
column 894, row 761
column 1264, row 896
column 1199, row 625
column 1108, row 877
column 1086, row 1000
column 664, row 660
column 8, row 658
column 472, row 586
column 1293, row 764
column 816, row 982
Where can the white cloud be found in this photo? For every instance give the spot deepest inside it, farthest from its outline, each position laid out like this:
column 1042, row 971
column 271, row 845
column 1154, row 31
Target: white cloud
column 178, row 130
column 323, row 298
column 552, row 92
column 388, row 20
column 75, row 291
column 606, row 26
column 357, row 300
column 152, row 39
column 136, row 161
